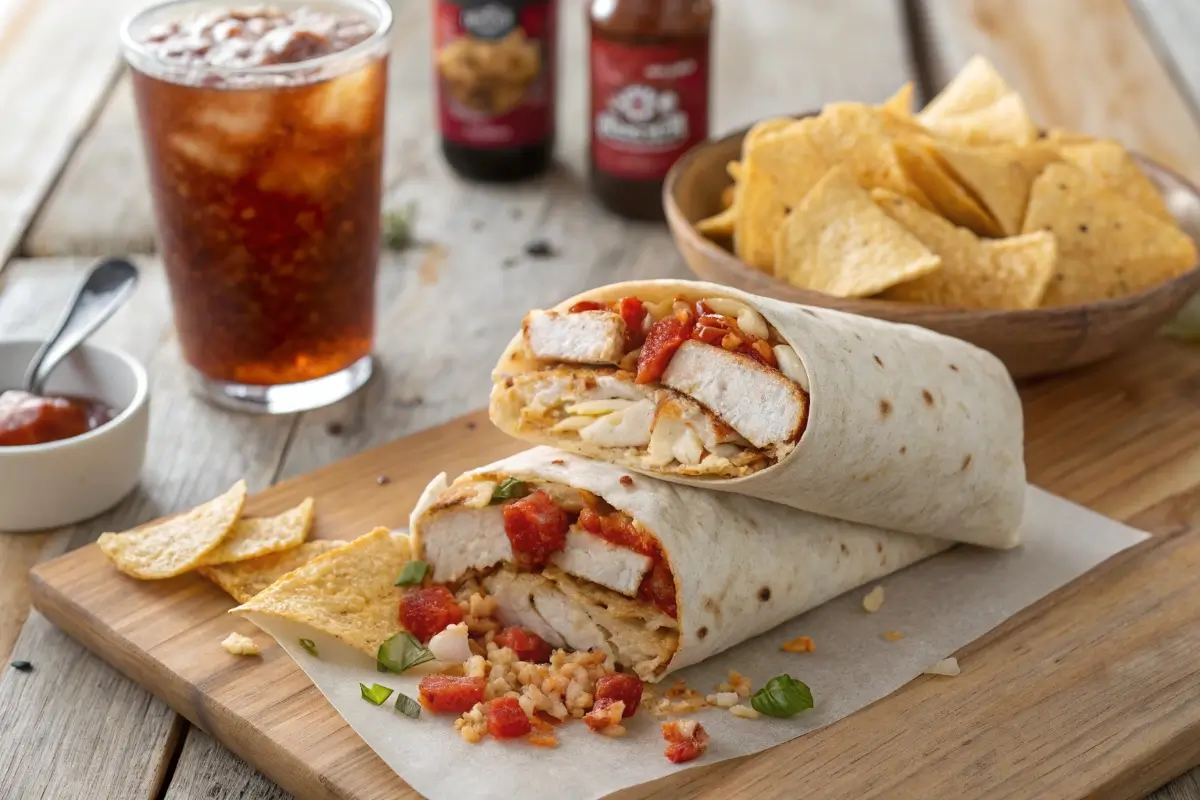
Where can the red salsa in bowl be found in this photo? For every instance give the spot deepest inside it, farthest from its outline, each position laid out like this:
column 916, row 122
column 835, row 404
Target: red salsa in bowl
column 29, row 419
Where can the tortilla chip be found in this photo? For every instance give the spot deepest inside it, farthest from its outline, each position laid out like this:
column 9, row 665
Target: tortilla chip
column 1004, row 122
column 762, row 129
column 734, row 170
column 1107, row 246
column 718, row 225
column 949, row 199
column 1003, row 274
column 777, row 171
column 1109, row 163
column 347, row 593
column 173, row 546
column 859, row 137
column 839, row 242
column 252, row 538
column 244, row 579
column 977, row 85
column 900, row 104
column 1032, row 158
column 728, row 195
column 1000, row 184
column 1058, row 137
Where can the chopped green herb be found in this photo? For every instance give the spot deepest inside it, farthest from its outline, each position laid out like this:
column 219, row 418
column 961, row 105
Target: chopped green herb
column 398, row 227
column 412, row 574
column 309, row 645
column 22, row 666
column 508, row 489
column 402, row 652
column 783, row 696
column 407, row 706
column 376, row 694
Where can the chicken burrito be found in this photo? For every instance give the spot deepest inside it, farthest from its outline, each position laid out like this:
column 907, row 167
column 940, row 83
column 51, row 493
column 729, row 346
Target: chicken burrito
column 844, row 416
column 658, row 576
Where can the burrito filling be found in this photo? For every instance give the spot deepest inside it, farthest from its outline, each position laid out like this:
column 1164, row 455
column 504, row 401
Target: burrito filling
column 703, row 388
column 559, row 562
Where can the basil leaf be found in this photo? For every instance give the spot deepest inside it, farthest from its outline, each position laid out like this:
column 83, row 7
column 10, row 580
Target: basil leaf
column 407, row 706
column 309, row 645
column 376, row 694
column 22, row 666
column 509, row 489
column 782, row 697
column 402, row 652
column 412, row 574
column 397, row 227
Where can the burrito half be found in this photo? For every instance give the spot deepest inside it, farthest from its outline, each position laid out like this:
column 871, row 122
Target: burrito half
column 658, row 576
column 844, row 416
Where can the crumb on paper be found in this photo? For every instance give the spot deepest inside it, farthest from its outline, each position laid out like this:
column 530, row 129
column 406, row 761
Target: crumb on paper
column 801, row 644
column 947, row 667
column 543, row 739
column 626, row 481
column 745, row 712
column 892, row 636
column 873, row 601
column 240, row 645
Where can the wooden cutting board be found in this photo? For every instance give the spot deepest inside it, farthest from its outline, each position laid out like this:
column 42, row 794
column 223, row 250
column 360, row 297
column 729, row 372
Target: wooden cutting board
column 1093, row 692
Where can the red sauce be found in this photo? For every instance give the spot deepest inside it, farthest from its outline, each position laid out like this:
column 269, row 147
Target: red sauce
column 536, row 527
column 27, row 419
column 658, row 587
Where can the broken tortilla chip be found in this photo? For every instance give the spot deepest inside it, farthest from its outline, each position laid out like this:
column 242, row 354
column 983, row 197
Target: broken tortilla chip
column 995, row 273
column 858, row 137
column 348, row 593
column 1107, row 246
column 242, row 580
column 900, row 104
column 1000, row 183
column 977, row 85
column 837, row 241
column 1114, row 168
column 1004, row 122
column 948, row 197
column 251, row 538
column 175, row 545
column 718, row 225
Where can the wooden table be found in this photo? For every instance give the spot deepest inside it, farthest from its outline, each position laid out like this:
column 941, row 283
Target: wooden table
column 72, row 187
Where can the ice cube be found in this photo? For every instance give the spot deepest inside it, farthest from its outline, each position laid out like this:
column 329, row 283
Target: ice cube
column 243, row 117
column 348, row 103
column 298, row 174
column 205, row 152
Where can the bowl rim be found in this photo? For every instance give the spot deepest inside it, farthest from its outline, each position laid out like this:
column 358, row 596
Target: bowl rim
column 140, row 396
column 680, row 226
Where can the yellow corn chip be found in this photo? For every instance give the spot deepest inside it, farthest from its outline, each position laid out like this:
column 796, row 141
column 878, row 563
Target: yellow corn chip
column 1109, row 163
column 858, row 137
column 348, row 593
column 257, row 537
column 1000, row 183
column 734, row 170
column 761, row 130
column 900, row 104
column 728, row 195
column 949, row 199
column 839, row 242
column 718, row 225
column 173, row 546
column 1107, row 246
column 1059, row 137
column 977, row 85
column 777, row 172
column 243, row 579
column 1032, row 158
column 1002, row 273
column 1004, row 122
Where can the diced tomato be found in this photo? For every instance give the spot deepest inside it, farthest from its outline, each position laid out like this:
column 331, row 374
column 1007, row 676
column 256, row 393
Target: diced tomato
column 452, row 694
column 683, row 747
column 506, row 719
column 525, row 643
column 587, row 305
column 633, row 311
column 603, row 715
column 658, row 587
column 536, row 527
column 662, row 341
column 426, row 612
column 626, row 688
column 617, row 528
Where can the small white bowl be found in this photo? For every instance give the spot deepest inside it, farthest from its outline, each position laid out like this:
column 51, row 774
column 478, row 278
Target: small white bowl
column 60, row 483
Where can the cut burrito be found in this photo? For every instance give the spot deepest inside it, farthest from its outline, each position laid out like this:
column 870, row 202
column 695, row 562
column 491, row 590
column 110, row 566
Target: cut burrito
column 844, row 416
column 658, row 576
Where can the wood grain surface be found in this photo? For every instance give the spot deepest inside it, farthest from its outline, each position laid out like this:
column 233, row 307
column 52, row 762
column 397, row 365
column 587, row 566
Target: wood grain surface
column 1082, row 694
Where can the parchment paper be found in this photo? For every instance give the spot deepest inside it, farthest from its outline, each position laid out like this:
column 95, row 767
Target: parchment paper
column 939, row 605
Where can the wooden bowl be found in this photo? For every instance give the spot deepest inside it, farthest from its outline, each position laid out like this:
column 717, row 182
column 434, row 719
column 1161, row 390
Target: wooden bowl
column 1034, row 342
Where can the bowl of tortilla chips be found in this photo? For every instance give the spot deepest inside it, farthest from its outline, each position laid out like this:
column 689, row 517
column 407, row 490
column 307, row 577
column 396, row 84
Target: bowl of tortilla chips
column 1050, row 249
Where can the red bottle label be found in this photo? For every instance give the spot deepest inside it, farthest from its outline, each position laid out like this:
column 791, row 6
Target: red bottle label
column 649, row 105
column 494, row 63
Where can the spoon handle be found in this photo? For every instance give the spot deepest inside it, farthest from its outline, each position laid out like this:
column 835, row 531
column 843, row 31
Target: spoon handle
column 104, row 289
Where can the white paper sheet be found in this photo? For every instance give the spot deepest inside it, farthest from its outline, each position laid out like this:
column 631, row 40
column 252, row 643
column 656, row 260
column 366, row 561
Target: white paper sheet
column 939, row 605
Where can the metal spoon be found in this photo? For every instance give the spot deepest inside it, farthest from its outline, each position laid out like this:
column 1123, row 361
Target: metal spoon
column 102, row 292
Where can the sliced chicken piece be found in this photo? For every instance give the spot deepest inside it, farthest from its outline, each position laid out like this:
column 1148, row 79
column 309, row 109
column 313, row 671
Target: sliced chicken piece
column 460, row 539
column 570, row 620
column 551, row 388
column 585, row 337
column 589, row 557
column 626, row 427
column 759, row 403
column 513, row 593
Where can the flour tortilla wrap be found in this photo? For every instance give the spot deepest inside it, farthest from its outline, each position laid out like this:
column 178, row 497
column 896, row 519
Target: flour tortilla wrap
column 740, row 566
column 885, row 424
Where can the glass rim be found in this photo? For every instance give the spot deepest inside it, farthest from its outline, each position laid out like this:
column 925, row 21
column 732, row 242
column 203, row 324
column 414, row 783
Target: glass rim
column 134, row 51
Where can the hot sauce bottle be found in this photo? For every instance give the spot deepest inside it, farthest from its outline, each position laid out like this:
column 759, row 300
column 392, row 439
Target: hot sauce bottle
column 494, row 68
column 649, row 96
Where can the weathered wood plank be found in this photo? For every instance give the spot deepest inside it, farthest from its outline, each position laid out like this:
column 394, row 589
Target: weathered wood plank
column 74, row 727
column 1174, row 28
column 207, row 770
column 1080, row 64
